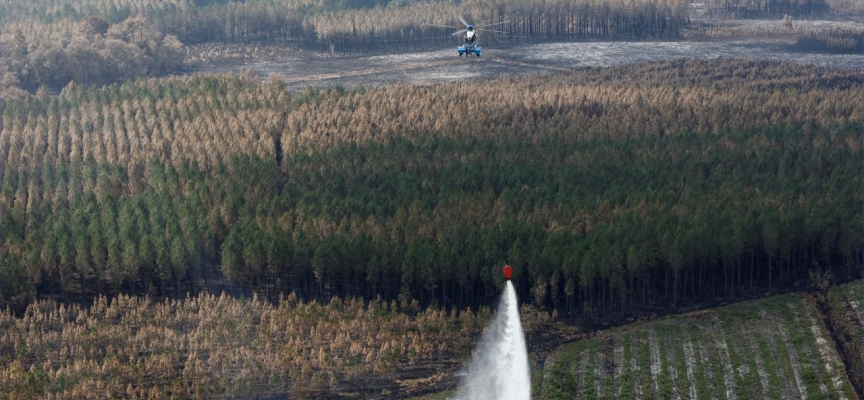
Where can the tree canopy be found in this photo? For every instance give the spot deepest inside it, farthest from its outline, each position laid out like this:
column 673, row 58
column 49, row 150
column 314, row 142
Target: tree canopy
column 654, row 184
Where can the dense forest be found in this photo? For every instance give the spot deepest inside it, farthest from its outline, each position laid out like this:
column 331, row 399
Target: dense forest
column 836, row 39
column 89, row 51
column 779, row 8
column 607, row 189
column 368, row 23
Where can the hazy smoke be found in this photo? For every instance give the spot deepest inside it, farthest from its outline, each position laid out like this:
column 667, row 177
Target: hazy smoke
column 499, row 370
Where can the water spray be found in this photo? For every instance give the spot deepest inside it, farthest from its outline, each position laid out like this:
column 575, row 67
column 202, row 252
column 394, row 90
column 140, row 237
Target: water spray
column 499, row 370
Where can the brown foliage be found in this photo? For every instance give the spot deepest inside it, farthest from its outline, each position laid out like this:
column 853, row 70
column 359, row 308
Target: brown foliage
column 88, row 51
column 670, row 97
column 210, row 346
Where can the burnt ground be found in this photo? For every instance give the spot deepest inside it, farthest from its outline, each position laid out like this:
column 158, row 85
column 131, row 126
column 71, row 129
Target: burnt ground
column 301, row 69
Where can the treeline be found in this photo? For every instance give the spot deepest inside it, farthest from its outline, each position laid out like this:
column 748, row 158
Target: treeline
column 834, row 41
column 345, row 26
column 808, row 38
column 779, row 8
column 663, row 183
column 404, row 27
column 90, row 51
column 113, row 11
column 341, row 26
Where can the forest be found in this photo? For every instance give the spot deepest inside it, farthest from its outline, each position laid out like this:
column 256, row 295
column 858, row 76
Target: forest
column 625, row 188
column 100, row 42
column 168, row 234
column 207, row 346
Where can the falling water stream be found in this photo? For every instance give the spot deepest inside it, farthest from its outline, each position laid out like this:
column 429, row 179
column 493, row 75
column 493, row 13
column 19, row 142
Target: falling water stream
column 499, row 370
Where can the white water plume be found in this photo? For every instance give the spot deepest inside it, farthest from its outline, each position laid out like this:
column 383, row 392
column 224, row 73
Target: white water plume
column 499, row 370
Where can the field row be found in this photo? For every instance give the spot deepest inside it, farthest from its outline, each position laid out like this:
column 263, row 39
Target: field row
column 844, row 310
column 772, row 349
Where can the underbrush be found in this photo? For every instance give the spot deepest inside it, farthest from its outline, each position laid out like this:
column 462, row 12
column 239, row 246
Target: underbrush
column 218, row 346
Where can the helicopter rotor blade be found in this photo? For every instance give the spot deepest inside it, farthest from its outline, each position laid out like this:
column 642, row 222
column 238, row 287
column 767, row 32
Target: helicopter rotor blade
column 489, row 30
column 442, row 26
column 488, row 25
column 462, row 20
column 459, row 32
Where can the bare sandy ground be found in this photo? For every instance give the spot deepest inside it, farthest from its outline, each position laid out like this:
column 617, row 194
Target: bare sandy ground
column 304, row 69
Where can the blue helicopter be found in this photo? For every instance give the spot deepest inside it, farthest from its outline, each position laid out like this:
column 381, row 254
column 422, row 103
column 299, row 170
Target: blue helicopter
column 470, row 39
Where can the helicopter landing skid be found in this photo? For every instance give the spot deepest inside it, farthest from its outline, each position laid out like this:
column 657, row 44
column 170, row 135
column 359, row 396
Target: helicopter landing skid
column 467, row 50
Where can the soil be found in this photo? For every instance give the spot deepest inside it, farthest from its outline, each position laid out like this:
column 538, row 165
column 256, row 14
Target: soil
column 599, row 372
column 808, row 355
column 618, row 370
column 829, row 350
column 673, row 365
column 835, row 352
column 580, row 371
column 760, row 364
column 770, row 333
column 656, row 363
column 828, row 356
column 637, row 371
column 793, row 359
column 302, row 69
column 853, row 305
column 704, row 357
column 854, row 318
column 690, row 363
column 725, row 360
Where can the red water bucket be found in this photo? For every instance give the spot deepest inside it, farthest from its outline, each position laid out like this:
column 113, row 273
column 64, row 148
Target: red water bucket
column 508, row 272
